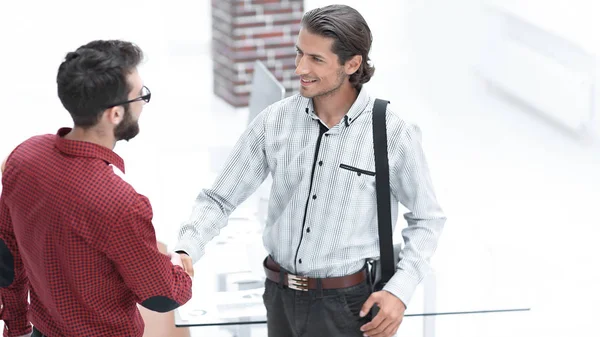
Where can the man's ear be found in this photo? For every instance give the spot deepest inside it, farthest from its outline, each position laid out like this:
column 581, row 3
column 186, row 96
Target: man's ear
column 114, row 114
column 353, row 64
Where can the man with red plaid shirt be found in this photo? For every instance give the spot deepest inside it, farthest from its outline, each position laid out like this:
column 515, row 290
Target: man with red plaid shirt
column 74, row 236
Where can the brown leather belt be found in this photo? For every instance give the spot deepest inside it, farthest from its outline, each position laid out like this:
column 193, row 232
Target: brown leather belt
column 272, row 269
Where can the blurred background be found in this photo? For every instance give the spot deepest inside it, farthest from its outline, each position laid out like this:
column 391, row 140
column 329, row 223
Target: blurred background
column 506, row 92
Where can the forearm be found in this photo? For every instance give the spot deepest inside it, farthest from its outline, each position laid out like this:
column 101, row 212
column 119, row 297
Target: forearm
column 414, row 261
column 159, row 285
column 245, row 170
column 413, row 187
column 150, row 275
column 176, row 293
column 209, row 216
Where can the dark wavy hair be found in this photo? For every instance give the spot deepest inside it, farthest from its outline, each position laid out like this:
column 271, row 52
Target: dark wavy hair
column 94, row 76
column 350, row 32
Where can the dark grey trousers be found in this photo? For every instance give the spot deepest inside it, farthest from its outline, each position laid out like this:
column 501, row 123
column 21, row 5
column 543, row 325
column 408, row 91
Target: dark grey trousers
column 315, row 313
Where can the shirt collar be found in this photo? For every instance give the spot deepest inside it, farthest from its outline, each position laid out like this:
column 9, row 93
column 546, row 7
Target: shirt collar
column 360, row 104
column 86, row 149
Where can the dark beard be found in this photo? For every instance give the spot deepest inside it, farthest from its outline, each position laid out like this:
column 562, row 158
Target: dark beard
column 128, row 128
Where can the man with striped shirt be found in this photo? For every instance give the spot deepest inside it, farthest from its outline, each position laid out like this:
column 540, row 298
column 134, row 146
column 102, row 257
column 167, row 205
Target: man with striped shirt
column 321, row 226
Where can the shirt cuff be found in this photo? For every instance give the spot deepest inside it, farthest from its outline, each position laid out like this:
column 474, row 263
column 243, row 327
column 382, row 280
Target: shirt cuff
column 189, row 248
column 402, row 285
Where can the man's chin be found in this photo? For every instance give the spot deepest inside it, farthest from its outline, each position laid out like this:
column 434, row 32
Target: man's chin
column 305, row 93
column 127, row 137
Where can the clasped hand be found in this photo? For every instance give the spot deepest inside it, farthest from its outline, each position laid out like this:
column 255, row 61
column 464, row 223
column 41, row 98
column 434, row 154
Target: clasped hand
column 184, row 261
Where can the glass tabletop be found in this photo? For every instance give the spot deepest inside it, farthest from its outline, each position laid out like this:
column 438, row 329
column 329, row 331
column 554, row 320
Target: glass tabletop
column 470, row 277
column 476, row 286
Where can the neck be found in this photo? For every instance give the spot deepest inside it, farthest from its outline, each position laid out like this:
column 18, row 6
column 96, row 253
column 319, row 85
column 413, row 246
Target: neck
column 331, row 108
column 94, row 135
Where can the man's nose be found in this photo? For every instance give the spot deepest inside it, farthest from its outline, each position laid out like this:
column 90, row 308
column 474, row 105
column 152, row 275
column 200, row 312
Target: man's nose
column 301, row 68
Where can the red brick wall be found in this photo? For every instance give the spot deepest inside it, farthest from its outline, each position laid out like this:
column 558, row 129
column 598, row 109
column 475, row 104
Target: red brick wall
column 248, row 30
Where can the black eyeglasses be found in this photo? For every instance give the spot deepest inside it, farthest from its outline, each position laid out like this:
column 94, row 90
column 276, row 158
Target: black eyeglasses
column 145, row 96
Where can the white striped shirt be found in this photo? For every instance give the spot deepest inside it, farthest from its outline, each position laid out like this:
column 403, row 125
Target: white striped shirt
column 322, row 215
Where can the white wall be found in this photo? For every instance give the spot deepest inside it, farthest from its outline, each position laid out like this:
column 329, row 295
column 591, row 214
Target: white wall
column 36, row 35
column 574, row 20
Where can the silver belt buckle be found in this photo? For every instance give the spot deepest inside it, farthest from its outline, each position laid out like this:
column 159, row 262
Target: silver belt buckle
column 299, row 283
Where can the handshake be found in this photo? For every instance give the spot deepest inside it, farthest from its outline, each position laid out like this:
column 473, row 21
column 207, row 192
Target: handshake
column 184, row 261
column 179, row 259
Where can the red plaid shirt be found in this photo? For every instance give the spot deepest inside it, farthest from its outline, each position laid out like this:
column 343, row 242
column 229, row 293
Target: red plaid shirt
column 81, row 241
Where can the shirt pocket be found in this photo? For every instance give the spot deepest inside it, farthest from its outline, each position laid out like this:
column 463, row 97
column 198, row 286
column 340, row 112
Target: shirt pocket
column 358, row 171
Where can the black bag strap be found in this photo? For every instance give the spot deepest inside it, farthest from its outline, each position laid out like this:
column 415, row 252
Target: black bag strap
column 382, row 186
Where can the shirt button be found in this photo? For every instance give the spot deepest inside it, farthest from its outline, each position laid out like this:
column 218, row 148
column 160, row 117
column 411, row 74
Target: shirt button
column 314, row 196
column 308, row 230
column 321, row 163
column 326, row 135
column 300, row 261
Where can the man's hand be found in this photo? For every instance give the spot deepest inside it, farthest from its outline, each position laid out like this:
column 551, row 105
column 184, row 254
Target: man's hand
column 388, row 319
column 187, row 263
column 176, row 260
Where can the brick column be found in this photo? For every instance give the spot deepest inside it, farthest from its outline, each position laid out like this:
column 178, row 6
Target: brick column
column 247, row 30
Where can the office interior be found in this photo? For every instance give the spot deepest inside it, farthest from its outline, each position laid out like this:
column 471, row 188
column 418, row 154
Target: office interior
column 506, row 93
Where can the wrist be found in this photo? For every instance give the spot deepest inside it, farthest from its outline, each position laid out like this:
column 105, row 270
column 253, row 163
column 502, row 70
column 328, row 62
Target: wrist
column 398, row 298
